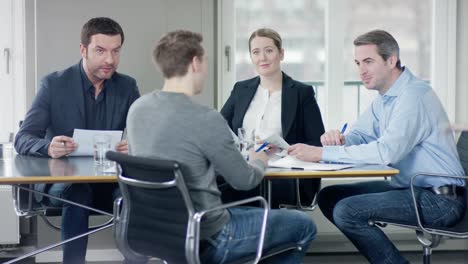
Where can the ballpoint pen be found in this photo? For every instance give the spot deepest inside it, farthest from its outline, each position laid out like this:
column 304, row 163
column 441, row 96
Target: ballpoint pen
column 344, row 128
column 262, row 146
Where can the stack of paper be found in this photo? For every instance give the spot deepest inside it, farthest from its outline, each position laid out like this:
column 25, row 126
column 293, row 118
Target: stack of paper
column 290, row 162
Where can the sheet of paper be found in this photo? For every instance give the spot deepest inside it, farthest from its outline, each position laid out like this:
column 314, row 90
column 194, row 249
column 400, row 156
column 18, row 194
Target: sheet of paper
column 84, row 139
column 290, row 162
column 278, row 141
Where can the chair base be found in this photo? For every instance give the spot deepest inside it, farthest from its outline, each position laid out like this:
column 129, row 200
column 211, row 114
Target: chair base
column 269, row 253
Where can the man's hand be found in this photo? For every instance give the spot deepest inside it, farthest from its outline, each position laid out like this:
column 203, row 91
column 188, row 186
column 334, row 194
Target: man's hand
column 122, row 146
column 305, row 152
column 61, row 146
column 332, row 138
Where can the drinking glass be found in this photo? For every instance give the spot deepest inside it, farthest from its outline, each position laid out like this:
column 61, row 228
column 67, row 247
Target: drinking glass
column 246, row 141
column 101, row 144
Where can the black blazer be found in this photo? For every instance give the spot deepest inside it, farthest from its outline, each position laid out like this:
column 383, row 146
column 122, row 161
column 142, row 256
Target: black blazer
column 301, row 120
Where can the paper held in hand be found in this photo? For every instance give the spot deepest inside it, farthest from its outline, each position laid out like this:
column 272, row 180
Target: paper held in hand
column 278, row 141
column 84, row 139
column 290, row 162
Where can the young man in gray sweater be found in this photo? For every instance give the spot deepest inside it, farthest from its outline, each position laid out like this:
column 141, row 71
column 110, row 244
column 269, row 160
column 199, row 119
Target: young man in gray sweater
column 168, row 124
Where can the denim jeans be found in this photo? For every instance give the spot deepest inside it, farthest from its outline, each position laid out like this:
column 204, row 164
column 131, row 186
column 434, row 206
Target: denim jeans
column 74, row 218
column 239, row 237
column 351, row 206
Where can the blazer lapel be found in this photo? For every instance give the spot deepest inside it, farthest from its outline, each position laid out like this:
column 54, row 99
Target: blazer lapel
column 110, row 102
column 288, row 104
column 77, row 91
column 245, row 97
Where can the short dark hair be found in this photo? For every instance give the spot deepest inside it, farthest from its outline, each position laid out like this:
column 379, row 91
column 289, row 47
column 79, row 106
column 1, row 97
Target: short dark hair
column 385, row 42
column 175, row 51
column 267, row 33
column 100, row 25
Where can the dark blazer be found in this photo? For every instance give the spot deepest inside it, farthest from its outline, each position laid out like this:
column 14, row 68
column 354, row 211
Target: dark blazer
column 59, row 108
column 301, row 120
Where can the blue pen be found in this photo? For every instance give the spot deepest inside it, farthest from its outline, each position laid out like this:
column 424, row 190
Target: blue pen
column 262, row 146
column 344, row 128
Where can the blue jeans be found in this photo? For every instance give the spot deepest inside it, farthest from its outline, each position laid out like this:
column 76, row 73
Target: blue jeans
column 74, row 218
column 240, row 236
column 351, row 206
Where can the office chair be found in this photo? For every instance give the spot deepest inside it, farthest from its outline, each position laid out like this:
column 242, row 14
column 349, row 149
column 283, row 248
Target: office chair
column 155, row 216
column 430, row 236
column 25, row 199
column 26, row 206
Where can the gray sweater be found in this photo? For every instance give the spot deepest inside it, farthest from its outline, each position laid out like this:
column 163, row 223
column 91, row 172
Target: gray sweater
column 172, row 126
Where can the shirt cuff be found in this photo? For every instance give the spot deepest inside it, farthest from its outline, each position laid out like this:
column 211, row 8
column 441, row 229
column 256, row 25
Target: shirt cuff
column 331, row 153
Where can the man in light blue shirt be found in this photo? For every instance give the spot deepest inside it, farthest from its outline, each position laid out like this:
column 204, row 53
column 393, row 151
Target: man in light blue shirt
column 406, row 127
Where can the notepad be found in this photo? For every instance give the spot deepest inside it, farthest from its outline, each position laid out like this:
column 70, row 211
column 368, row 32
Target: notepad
column 290, row 162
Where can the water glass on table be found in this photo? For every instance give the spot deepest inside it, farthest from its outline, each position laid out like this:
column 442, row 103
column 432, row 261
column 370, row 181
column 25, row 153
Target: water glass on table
column 246, row 141
column 6, row 151
column 101, row 144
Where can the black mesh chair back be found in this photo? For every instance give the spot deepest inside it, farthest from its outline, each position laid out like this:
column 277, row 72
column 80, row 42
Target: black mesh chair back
column 462, row 148
column 156, row 209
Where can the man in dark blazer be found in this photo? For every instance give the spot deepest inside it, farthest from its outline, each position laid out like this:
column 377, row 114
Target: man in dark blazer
column 301, row 121
column 87, row 95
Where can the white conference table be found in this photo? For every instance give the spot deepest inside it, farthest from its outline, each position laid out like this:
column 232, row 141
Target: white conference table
column 22, row 171
column 18, row 170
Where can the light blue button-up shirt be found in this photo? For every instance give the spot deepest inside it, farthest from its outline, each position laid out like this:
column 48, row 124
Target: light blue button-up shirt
column 406, row 128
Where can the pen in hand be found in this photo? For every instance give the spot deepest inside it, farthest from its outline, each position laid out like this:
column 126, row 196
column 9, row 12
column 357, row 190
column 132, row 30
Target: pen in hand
column 344, row 128
column 262, row 146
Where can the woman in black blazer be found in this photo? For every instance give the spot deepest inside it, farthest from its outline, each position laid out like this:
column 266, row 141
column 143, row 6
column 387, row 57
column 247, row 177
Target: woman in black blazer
column 298, row 119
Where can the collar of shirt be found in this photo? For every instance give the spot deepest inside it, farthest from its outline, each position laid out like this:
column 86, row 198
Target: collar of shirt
column 88, row 86
column 397, row 87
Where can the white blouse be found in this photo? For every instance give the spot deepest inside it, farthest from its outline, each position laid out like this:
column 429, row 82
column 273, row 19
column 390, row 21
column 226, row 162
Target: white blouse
column 264, row 114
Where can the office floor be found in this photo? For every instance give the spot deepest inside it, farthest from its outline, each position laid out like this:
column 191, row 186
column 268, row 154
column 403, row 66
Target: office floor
column 414, row 257
column 448, row 257
column 439, row 257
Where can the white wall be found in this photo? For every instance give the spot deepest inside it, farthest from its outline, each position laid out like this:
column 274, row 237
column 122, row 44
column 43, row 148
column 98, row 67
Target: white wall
column 59, row 24
column 462, row 62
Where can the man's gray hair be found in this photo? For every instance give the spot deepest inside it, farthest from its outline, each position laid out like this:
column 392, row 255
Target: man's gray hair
column 386, row 44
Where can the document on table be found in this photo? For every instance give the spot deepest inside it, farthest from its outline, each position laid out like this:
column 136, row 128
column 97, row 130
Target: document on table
column 84, row 139
column 290, row 162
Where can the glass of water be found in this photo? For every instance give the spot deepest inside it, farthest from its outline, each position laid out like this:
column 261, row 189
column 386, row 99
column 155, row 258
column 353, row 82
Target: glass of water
column 246, row 141
column 101, row 144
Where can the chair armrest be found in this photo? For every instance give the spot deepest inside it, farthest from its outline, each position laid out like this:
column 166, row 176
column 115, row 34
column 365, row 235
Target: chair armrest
column 413, row 195
column 236, row 203
column 117, row 208
column 194, row 226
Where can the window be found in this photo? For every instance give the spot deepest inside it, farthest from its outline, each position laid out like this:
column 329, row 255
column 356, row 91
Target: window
column 12, row 93
column 408, row 21
column 302, row 25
